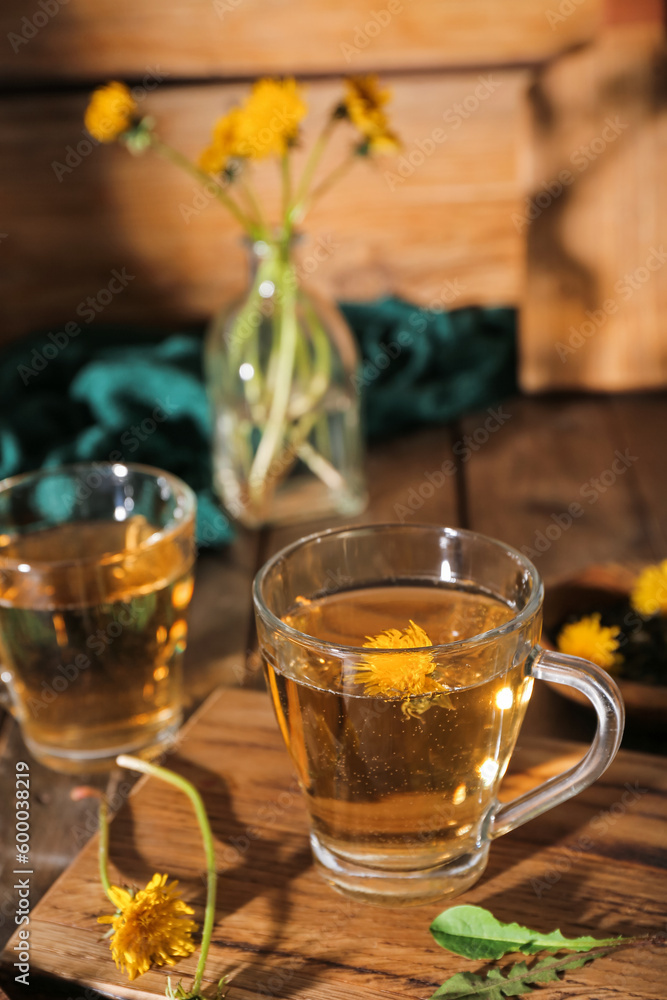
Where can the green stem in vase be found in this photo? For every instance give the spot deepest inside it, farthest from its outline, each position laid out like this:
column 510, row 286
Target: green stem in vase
column 286, row 341
column 286, row 182
column 319, row 465
column 249, row 320
column 314, row 418
column 284, row 393
column 290, row 421
column 322, row 347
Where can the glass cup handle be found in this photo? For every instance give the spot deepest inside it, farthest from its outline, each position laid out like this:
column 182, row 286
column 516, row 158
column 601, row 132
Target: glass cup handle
column 601, row 690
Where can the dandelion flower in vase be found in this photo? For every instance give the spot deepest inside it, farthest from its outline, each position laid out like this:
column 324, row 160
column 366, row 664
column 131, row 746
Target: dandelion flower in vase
column 111, row 112
column 282, row 366
column 269, row 120
column 363, row 105
column 225, row 144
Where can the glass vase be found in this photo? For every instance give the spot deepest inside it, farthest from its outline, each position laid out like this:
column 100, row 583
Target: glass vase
column 280, row 369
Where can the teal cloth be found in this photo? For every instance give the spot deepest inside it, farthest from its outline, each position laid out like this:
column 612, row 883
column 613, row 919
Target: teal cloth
column 136, row 395
column 112, row 394
column 423, row 367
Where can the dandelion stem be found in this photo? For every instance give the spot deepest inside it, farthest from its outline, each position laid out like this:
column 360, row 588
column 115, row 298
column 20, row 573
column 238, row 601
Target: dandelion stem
column 286, row 190
column 253, row 201
column 209, row 183
column 312, row 162
column 285, row 346
column 136, row 764
column 329, row 181
column 103, row 850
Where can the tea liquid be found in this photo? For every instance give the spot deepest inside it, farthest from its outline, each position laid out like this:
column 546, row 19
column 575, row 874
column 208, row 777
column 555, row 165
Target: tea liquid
column 399, row 781
column 93, row 649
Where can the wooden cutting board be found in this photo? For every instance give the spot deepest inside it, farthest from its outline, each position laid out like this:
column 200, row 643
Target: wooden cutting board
column 595, row 865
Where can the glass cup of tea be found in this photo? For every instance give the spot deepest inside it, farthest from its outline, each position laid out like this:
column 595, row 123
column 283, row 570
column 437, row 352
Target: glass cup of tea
column 96, row 575
column 400, row 661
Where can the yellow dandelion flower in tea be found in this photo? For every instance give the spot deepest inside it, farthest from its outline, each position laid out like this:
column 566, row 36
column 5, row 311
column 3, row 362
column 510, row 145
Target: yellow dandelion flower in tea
column 269, row 120
column 225, row 143
column 408, row 673
column 151, row 927
column 110, row 112
column 591, row 640
column 649, row 594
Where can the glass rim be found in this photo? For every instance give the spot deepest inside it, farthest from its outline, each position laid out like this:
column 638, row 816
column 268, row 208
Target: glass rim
column 184, row 495
column 514, row 624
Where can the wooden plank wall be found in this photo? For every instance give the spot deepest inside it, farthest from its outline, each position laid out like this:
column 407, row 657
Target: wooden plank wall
column 596, row 290
column 516, row 98
column 444, row 234
column 93, row 39
column 446, row 231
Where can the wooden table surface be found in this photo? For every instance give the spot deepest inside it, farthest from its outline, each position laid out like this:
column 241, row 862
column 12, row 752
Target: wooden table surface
column 518, row 470
column 595, row 865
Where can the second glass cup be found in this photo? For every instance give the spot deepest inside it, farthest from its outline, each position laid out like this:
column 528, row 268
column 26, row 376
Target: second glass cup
column 401, row 659
column 95, row 581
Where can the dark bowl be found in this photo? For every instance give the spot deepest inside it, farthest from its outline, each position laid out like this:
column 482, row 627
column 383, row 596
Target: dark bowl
column 598, row 588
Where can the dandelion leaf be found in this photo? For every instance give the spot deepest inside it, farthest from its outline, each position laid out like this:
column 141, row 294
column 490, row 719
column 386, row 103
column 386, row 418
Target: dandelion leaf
column 518, row 980
column 475, row 933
